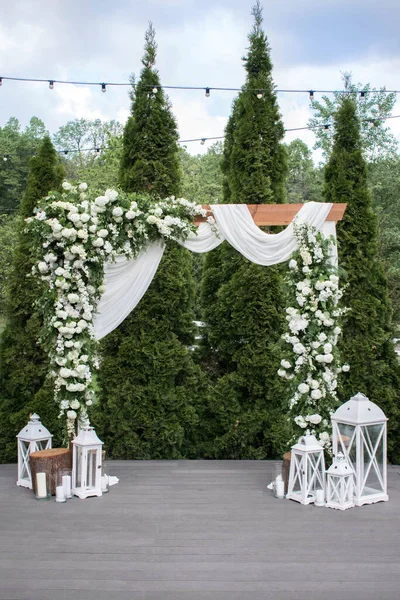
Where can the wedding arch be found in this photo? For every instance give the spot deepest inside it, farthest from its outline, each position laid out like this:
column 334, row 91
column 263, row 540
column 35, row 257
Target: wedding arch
column 96, row 257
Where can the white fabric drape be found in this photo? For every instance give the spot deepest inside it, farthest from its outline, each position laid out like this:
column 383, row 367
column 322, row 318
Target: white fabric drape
column 126, row 281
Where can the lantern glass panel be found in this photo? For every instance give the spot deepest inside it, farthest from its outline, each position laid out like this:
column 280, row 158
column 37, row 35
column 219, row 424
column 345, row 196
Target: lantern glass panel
column 91, row 468
column 334, row 489
column 25, row 451
column 79, row 482
column 41, row 445
column 373, row 459
column 346, row 439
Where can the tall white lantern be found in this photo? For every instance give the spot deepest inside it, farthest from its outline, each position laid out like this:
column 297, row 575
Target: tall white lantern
column 307, row 470
column 86, row 463
column 339, row 484
column 32, row 438
column 359, row 431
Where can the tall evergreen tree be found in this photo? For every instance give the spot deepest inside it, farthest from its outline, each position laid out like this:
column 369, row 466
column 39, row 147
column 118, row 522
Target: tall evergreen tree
column 367, row 333
column 149, row 383
column 23, row 364
column 243, row 305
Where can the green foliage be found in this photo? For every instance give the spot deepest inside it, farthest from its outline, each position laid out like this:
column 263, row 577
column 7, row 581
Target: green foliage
column 242, row 302
column 8, row 240
column 202, row 177
column 305, row 182
column 367, row 344
column 149, row 385
column 23, row 366
column 384, row 178
column 372, row 110
column 19, row 147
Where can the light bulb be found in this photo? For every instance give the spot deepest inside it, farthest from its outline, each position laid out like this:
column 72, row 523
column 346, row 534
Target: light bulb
column 1, row 81
column 203, row 141
column 155, row 90
column 98, row 150
column 65, row 152
column 5, row 158
column 51, row 84
column 259, row 95
column 362, row 95
column 103, row 87
column 311, row 94
column 326, row 126
column 207, row 92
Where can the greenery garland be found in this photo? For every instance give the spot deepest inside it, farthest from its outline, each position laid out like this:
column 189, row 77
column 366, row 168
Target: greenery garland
column 74, row 235
column 312, row 361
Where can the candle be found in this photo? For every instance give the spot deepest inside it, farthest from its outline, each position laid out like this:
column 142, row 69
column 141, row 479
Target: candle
column 319, row 498
column 104, row 484
column 66, row 482
column 60, row 496
column 280, row 488
column 41, row 488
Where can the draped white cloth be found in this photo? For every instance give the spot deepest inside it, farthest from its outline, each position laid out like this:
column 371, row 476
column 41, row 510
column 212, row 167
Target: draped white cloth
column 126, row 281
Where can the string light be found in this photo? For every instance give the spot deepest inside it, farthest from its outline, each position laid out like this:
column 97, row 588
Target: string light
column 207, row 89
column 203, row 141
column 259, row 95
column 207, row 92
column 6, row 157
column 51, row 84
column 362, row 95
column 311, row 95
column 155, row 90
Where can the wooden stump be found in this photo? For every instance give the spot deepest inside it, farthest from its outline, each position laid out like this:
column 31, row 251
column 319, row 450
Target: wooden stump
column 286, row 469
column 50, row 462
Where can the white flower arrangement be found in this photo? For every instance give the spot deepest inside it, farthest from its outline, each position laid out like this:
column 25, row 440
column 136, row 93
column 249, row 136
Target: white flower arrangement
column 311, row 363
column 74, row 234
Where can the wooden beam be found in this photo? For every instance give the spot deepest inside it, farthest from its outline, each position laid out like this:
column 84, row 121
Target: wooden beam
column 280, row 214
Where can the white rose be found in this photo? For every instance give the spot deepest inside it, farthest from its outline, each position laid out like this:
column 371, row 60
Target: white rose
column 345, row 368
column 117, row 211
column 328, row 358
column 111, row 194
column 57, row 227
column 82, row 187
column 327, row 348
column 299, row 349
column 281, row 372
column 43, row 267
column 74, row 217
column 71, row 414
column 315, row 419
column 82, row 324
column 102, row 289
column 322, row 337
column 61, row 361
column 101, row 201
column 98, row 242
column 314, row 384
column 316, row 394
column 89, row 402
column 73, row 298
column 85, row 217
column 320, row 358
column 334, row 278
column 90, row 289
column 152, row 219
column 324, row 436
column 285, row 364
column 315, row 345
column 130, row 215
column 292, row 264
column 65, row 373
column 67, row 186
column 303, row 388
column 102, row 233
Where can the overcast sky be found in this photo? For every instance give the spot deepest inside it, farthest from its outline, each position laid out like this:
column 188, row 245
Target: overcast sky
column 200, row 43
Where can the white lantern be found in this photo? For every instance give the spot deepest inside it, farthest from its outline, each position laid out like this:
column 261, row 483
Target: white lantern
column 307, row 470
column 359, row 431
column 86, row 463
column 340, row 484
column 32, row 438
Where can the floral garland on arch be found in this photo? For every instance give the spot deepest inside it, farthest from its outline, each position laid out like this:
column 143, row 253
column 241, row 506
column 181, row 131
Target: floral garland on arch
column 74, row 234
column 312, row 362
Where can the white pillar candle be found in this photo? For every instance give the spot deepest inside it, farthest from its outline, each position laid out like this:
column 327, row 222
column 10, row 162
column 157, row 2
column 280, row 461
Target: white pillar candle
column 60, row 496
column 280, row 488
column 319, row 498
column 104, row 484
column 41, row 488
column 66, row 482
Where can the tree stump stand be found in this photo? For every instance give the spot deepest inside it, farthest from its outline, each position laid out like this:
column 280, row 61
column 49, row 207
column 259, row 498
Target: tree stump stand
column 50, row 462
column 286, row 469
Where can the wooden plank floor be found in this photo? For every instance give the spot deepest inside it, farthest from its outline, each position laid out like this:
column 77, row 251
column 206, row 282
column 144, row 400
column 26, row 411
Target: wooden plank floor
column 195, row 530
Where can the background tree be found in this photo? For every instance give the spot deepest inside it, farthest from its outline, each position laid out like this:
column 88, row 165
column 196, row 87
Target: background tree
column 23, row 364
column 372, row 111
column 304, row 182
column 367, row 342
column 17, row 146
column 243, row 305
column 149, row 385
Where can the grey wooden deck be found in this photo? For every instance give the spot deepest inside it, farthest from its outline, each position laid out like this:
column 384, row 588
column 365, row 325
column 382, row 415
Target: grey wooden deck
column 195, row 530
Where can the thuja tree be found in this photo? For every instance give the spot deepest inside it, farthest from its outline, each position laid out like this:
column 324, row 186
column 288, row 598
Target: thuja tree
column 148, row 381
column 23, row 366
column 243, row 304
column 366, row 344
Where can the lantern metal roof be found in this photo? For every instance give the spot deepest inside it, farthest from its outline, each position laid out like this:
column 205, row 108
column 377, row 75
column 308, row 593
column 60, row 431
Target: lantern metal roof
column 340, row 466
column 87, row 437
column 359, row 410
column 307, row 443
column 34, row 430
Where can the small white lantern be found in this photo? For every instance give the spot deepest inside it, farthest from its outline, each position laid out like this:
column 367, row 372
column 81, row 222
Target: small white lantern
column 32, row 438
column 340, row 484
column 86, row 463
column 359, row 431
column 307, row 470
